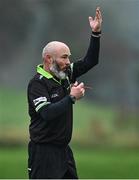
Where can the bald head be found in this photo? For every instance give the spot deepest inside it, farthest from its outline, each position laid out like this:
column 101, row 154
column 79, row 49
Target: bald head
column 52, row 48
column 56, row 58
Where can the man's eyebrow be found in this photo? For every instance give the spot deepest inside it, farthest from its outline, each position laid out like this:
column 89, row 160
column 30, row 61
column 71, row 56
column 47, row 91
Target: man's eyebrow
column 66, row 55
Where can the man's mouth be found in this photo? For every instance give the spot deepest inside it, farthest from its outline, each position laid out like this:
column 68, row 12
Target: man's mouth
column 67, row 69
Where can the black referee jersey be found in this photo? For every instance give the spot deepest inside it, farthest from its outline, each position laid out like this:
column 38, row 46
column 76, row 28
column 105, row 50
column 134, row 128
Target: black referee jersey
column 50, row 106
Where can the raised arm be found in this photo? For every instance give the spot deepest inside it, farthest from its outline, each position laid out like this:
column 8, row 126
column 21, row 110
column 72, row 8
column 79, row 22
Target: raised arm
column 91, row 58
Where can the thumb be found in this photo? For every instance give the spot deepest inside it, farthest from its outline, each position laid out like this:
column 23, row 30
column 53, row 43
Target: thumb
column 75, row 84
column 90, row 19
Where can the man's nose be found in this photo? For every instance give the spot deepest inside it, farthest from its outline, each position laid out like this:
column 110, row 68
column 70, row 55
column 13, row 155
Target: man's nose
column 67, row 62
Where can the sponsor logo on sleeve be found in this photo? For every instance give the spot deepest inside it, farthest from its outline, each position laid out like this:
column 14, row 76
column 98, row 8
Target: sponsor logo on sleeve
column 39, row 100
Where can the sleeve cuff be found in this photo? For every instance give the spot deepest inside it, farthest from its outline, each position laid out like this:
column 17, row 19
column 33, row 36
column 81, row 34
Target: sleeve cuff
column 72, row 98
column 96, row 34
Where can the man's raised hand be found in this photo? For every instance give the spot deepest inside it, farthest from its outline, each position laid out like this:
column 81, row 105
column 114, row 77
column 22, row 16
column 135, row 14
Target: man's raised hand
column 95, row 23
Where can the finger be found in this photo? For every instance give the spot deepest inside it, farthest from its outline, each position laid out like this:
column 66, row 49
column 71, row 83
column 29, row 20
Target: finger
column 75, row 84
column 81, row 85
column 83, row 92
column 90, row 19
column 98, row 8
column 99, row 13
column 96, row 16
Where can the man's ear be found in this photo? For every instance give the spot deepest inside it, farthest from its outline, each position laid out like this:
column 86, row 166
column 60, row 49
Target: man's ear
column 48, row 59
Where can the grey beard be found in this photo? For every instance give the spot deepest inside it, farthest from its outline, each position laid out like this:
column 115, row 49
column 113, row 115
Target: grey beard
column 58, row 73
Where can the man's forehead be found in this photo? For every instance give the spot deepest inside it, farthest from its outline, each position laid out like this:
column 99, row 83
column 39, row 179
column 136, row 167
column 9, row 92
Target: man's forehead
column 66, row 54
column 56, row 47
column 57, row 44
column 64, row 50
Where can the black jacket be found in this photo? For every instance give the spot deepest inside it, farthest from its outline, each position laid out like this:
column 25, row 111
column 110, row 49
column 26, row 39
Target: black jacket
column 50, row 106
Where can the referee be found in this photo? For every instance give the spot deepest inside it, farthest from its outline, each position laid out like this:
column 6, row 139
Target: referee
column 51, row 95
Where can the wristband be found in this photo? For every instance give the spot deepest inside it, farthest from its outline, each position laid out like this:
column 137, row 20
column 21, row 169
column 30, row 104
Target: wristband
column 96, row 34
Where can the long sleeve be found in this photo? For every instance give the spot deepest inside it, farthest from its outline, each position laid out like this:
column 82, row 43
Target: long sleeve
column 54, row 110
column 91, row 58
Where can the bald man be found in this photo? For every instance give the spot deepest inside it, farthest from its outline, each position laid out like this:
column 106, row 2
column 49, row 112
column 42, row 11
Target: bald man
column 51, row 95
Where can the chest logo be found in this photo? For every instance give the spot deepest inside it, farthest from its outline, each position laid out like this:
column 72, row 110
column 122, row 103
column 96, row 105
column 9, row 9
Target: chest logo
column 54, row 95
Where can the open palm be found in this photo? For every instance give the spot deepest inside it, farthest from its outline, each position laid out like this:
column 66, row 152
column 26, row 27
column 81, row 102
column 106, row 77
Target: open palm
column 95, row 23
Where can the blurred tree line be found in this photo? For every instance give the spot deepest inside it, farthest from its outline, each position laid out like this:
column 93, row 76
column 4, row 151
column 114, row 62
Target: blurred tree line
column 27, row 25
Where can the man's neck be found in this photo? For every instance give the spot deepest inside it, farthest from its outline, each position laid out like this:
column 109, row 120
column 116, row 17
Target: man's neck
column 48, row 70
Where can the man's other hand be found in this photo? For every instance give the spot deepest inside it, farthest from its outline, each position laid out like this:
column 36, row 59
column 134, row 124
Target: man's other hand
column 77, row 90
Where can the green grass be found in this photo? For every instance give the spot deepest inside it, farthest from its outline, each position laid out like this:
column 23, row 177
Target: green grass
column 90, row 163
column 13, row 108
column 14, row 119
column 108, row 164
column 13, row 163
